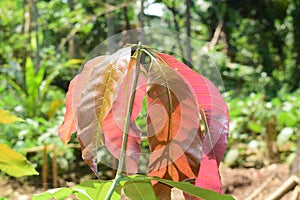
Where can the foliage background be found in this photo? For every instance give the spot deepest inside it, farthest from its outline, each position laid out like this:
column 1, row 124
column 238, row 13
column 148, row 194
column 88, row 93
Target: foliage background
column 255, row 46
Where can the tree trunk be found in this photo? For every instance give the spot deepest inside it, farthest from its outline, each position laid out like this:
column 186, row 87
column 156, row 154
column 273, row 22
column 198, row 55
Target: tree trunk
column 188, row 31
column 296, row 76
column 296, row 165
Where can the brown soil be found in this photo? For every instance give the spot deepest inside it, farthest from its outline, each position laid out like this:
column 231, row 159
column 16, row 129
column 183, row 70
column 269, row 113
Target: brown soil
column 237, row 182
column 241, row 183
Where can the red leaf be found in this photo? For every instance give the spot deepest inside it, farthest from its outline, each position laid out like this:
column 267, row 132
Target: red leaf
column 77, row 85
column 172, row 127
column 216, row 117
column 113, row 124
column 97, row 100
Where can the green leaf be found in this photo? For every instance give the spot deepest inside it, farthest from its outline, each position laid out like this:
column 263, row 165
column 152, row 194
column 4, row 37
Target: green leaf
column 61, row 193
column 286, row 119
column 98, row 189
column 7, row 117
column 14, row 163
column 194, row 190
column 139, row 190
column 31, row 88
column 253, row 126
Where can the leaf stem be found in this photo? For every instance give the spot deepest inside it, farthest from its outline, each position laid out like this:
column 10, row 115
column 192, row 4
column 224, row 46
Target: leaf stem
column 119, row 175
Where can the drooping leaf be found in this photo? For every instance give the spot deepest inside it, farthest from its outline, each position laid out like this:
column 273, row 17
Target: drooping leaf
column 7, row 117
column 97, row 100
column 76, row 87
column 114, row 123
column 172, row 127
column 15, row 164
column 215, row 117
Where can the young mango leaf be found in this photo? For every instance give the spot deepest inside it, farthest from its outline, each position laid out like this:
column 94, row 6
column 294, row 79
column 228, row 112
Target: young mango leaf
column 15, row 164
column 172, row 127
column 7, row 117
column 114, row 123
column 77, row 85
column 97, row 100
column 215, row 118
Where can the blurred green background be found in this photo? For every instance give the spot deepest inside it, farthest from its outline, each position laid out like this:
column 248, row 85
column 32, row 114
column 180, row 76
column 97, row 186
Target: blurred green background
column 254, row 44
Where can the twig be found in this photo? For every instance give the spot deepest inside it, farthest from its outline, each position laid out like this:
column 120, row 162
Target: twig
column 284, row 188
column 216, row 36
column 218, row 30
column 296, row 193
column 49, row 147
column 45, row 167
column 261, row 187
column 54, row 167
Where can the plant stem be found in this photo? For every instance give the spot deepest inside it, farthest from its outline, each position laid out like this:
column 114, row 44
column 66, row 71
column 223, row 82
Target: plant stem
column 127, row 124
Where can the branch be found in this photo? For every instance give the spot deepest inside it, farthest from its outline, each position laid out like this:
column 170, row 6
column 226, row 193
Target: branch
column 261, row 187
column 218, row 30
column 284, row 188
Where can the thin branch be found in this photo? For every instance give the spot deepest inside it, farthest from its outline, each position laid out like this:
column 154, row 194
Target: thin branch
column 218, row 30
column 261, row 188
column 284, row 188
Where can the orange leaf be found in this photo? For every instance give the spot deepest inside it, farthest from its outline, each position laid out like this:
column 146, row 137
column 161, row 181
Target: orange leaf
column 115, row 121
column 97, row 100
column 172, row 126
column 77, row 85
column 215, row 118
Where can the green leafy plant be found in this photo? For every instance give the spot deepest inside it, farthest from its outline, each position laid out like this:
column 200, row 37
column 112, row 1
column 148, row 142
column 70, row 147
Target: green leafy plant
column 11, row 162
column 35, row 87
column 270, row 126
column 187, row 126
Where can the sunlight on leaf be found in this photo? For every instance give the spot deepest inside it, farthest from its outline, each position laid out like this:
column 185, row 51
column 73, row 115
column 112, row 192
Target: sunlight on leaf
column 15, row 164
column 215, row 117
column 172, row 127
column 77, row 85
column 7, row 117
column 97, row 100
column 98, row 189
column 113, row 124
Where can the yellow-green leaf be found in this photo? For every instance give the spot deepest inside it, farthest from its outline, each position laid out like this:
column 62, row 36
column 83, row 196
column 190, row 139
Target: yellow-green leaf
column 7, row 117
column 14, row 164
